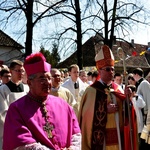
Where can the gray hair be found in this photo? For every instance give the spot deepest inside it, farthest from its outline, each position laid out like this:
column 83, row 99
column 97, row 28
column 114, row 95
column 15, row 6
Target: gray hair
column 32, row 76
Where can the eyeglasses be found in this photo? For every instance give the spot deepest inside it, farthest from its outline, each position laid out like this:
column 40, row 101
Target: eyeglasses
column 6, row 76
column 108, row 69
column 19, row 71
column 44, row 80
column 56, row 76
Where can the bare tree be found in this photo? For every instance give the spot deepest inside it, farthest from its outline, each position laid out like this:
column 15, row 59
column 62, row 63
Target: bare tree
column 117, row 18
column 109, row 18
column 71, row 11
column 26, row 9
column 74, row 21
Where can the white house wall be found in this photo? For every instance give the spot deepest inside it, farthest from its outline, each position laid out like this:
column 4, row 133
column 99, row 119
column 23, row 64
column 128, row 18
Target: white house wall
column 7, row 54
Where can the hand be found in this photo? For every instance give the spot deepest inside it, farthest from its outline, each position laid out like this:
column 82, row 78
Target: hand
column 112, row 108
column 128, row 91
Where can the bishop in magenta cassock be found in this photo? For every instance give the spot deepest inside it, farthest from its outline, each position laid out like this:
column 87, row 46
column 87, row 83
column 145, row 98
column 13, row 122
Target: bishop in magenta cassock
column 39, row 120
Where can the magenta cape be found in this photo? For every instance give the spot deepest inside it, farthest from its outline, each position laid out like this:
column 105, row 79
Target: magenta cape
column 24, row 124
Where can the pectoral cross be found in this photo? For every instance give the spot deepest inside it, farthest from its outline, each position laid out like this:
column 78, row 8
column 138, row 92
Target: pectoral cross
column 48, row 128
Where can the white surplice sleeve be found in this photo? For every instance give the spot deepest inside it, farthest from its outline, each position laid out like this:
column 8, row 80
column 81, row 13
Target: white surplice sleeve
column 75, row 142
column 140, row 103
column 75, row 145
column 33, row 146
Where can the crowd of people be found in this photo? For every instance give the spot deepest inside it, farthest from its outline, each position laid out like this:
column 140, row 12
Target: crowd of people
column 46, row 108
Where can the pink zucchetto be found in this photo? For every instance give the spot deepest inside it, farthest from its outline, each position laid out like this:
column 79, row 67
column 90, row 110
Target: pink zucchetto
column 104, row 57
column 36, row 63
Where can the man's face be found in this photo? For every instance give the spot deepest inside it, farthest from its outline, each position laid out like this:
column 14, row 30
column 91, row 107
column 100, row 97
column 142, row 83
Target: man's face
column 66, row 74
column 17, row 72
column 118, row 80
column 74, row 73
column 6, row 77
column 132, row 82
column 56, row 78
column 107, row 73
column 41, row 84
column 83, row 76
column 135, row 76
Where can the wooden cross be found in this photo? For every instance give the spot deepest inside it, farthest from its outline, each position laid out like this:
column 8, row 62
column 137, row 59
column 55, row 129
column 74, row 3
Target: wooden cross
column 48, row 128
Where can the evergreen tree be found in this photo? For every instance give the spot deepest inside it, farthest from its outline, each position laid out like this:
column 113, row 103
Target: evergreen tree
column 53, row 58
column 55, row 55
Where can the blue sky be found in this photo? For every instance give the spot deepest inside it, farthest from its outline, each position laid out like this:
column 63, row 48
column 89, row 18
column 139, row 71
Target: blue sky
column 140, row 34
